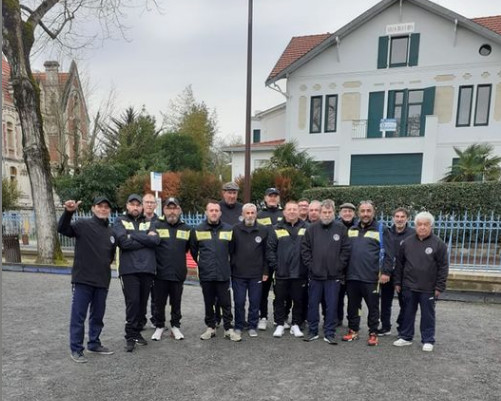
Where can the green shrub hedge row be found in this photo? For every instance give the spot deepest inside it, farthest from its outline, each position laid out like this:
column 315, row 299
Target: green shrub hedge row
column 445, row 198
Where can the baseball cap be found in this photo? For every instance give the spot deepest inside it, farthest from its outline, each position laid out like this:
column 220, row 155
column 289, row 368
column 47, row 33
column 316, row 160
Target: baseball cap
column 231, row 186
column 134, row 197
column 348, row 205
column 270, row 191
column 101, row 199
column 170, row 200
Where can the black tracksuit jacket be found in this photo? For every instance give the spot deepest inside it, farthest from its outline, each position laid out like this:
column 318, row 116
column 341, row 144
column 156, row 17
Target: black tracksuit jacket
column 284, row 250
column 365, row 250
column 269, row 216
column 248, row 251
column 94, row 249
column 210, row 248
column 171, row 251
column 231, row 214
column 422, row 265
column 137, row 248
column 326, row 251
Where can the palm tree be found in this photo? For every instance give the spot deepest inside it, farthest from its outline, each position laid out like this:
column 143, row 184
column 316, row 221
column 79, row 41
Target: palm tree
column 475, row 163
column 287, row 155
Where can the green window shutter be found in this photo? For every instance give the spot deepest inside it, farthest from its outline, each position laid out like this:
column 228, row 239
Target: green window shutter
column 414, row 49
column 386, row 169
column 376, row 110
column 428, row 107
column 391, row 105
column 382, row 55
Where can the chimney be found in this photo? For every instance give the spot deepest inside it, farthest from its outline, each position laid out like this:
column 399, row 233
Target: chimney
column 52, row 73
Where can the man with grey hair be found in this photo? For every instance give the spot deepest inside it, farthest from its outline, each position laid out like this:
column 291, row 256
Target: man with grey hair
column 421, row 275
column 325, row 251
column 314, row 211
column 249, row 268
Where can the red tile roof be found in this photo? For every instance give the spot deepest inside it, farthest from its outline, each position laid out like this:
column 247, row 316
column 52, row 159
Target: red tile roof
column 269, row 143
column 42, row 76
column 493, row 23
column 297, row 48
column 241, row 147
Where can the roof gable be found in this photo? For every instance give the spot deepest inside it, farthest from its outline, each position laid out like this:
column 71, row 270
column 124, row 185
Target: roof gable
column 292, row 58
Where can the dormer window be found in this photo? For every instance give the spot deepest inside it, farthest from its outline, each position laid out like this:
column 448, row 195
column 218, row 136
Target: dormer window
column 398, row 51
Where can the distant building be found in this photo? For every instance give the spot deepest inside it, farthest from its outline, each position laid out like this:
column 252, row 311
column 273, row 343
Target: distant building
column 65, row 119
column 384, row 99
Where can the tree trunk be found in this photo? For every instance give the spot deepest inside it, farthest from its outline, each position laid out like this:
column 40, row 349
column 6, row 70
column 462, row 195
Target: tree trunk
column 17, row 43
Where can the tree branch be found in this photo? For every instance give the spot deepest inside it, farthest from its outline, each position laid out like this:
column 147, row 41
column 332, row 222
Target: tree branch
column 35, row 17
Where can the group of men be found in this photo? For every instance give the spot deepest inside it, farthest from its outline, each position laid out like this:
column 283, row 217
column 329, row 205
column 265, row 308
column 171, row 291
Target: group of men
column 309, row 257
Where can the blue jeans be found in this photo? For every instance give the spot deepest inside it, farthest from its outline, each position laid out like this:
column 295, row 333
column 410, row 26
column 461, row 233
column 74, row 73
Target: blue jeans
column 84, row 296
column 426, row 302
column 242, row 286
column 328, row 290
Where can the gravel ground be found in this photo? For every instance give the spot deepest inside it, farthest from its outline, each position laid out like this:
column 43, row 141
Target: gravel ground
column 465, row 365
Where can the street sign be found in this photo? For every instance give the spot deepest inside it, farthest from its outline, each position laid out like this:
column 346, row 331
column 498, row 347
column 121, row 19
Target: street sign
column 156, row 181
column 388, row 124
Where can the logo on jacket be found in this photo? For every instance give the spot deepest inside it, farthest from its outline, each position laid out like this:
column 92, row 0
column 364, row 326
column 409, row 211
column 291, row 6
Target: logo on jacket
column 428, row 251
column 112, row 239
column 336, row 237
column 258, row 239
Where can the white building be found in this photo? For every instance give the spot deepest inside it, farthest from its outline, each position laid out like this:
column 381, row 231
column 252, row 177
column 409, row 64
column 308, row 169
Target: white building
column 429, row 76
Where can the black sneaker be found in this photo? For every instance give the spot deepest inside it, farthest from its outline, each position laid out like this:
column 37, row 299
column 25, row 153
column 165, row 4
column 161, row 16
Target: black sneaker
column 100, row 350
column 383, row 332
column 131, row 344
column 311, row 337
column 330, row 340
column 140, row 340
column 78, row 357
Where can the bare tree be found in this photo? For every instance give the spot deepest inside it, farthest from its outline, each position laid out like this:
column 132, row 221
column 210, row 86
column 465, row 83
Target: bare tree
column 25, row 25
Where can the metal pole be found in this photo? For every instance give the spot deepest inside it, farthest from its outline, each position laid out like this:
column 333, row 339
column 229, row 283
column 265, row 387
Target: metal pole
column 247, row 192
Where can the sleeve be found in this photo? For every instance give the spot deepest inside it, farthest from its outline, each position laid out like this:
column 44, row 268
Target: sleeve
column 124, row 242
column 148, row 241
column 387, row 262
column 399, row 265
column 306, row 249
column 345, row 253
column 271, row 250
column 65, row 226
column 194, row 246
column 443, row 268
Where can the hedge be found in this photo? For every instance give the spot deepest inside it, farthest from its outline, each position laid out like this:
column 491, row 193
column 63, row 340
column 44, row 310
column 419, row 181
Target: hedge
column 445, row 198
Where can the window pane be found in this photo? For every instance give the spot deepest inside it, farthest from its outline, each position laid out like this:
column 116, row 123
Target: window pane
column 398, row 117
column 316, row 114
column 256, row 134
column 399, row 97
column 398, row 52
column 464, row 105
column 414, row 120
column 330, row 113
column 482, row 106
column 416, row 96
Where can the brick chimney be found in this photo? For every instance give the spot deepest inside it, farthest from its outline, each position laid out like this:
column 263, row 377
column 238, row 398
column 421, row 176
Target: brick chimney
column 52, row 73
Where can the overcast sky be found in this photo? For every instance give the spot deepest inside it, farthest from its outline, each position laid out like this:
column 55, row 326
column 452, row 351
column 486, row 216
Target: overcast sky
column 204, row 43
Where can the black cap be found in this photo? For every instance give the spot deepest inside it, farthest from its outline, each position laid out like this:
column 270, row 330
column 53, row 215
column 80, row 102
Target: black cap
column 347, row 205
column 171, row 200
column 270, row 191
column 134, row 197
column 231, row 186
column 100, row 199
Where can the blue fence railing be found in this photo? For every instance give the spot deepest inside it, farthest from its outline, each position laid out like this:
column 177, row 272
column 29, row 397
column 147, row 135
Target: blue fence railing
column 474, row 240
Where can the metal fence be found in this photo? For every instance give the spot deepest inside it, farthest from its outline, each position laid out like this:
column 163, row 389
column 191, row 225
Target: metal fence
column 474, row 240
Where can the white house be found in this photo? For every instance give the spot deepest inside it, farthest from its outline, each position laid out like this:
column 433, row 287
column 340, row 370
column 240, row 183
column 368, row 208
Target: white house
column 384, row 99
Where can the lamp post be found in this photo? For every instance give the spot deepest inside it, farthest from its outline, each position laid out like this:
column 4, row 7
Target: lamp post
column 247, row 194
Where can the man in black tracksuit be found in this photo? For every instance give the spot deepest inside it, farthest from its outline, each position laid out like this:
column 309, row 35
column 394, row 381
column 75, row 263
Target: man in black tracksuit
column 248, row 267
column 136, row 267
column 268, row 216
column 284, row 258
column 171, row 273
column 210, row 246
column 325, row 251
column 398, row 232
column 90, row 275
column 366, row 270
column 231, row 209
column 421, row 276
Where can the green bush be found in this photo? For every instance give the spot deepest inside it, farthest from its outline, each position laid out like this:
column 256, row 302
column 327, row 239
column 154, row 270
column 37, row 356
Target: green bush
column 196, row 188
column 445, row 198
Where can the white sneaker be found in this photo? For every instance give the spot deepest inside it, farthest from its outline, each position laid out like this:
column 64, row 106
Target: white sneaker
column 176, row 333
column 279, row 331
column 235, row 335
column 287, row 326
column 401, row 343
column 252, row 333
column 208, row 334
column 427, row 347
column 157, row 335
column 262, row 324
column 296, row 331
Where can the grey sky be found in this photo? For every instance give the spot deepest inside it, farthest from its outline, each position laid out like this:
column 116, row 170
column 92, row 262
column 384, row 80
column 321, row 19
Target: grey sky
column 204, row 43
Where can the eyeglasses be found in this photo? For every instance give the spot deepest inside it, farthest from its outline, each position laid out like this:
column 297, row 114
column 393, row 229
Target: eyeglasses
column 150, row 203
